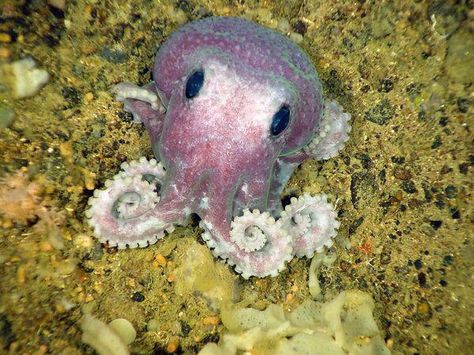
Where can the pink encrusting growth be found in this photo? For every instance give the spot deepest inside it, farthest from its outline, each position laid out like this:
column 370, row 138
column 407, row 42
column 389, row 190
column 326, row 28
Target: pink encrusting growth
column 233, row 110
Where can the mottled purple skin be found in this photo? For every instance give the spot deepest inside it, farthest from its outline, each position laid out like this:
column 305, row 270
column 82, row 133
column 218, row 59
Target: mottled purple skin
column 217, row 148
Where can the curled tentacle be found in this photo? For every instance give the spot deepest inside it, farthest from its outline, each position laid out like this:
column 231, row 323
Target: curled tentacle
column 146, row 104
column 311, row 221
column 123, row 215
column 150, row 170
column 333, row 133
column 263, row 246
column 247, row 232
column 125, row 91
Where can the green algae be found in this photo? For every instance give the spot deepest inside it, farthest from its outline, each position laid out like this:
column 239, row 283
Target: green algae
column 402, row 186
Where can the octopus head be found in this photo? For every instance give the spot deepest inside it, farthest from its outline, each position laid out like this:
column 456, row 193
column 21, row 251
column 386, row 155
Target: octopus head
column 226, row 118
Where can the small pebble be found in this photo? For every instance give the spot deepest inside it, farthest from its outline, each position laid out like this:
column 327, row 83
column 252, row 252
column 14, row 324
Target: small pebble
column 463, row 104
column 5, row 38
column 131, row 283
column 89, row 298
column 101, row 337
column 89, row 179
column 436, row 224
column 402, row 173
column 381, row 113
column 173, row 344
column 436, row 142
column 284, row 25
column 46, row 246
column 21, row 274
column 455, row 214
column 300, row 27
column 138, row 297
column 66, row 150
column 160, row 260
column 7, row 116
column 28, row 78
column 464, row 168
column 385, row 85
column 71, row 95
column 448, row 260
column 418, row 264
column 296, row 37
column 422, row 279
column 83, row 241
column 153, row 325
column 451, row 191
column 176, row 15
column 397, row 160
column 409, row 186
column 211, row 320
column 56, row 239
column 264, row 14
column 64, row 305
column 289, row 298
column 59, row 4
column 458, row 62
column 66, row 267
column 445, row 169
column 88, row 97
column 5, row 53
column 423, row 309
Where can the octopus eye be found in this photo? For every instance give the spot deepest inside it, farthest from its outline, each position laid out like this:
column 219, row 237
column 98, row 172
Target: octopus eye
column 280, row 120
column 194, row 84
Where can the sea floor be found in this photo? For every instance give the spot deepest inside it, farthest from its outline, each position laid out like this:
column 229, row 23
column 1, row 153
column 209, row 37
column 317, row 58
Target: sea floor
column 402, row 186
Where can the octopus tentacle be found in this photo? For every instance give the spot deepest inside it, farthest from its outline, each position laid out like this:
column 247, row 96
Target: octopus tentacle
column 150, row 170
column 311, row 221
column 147, row 104
column 249, row 236
column 333, row 134
column 263, row 245
column 219, row 247
column 123, row 214
column 125, row 91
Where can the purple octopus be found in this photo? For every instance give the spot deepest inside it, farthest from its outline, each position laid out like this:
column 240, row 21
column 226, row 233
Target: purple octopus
column 233, row 110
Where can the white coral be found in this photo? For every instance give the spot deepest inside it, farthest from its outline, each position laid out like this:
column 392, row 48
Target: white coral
column 28, row 79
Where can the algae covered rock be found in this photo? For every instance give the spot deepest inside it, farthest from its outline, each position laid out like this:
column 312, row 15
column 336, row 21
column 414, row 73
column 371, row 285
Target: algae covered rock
column 7, row 117
column 460, row 58
column 199, row 273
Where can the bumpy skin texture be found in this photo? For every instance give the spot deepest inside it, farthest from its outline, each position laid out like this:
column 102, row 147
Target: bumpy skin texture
column 217, row 155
